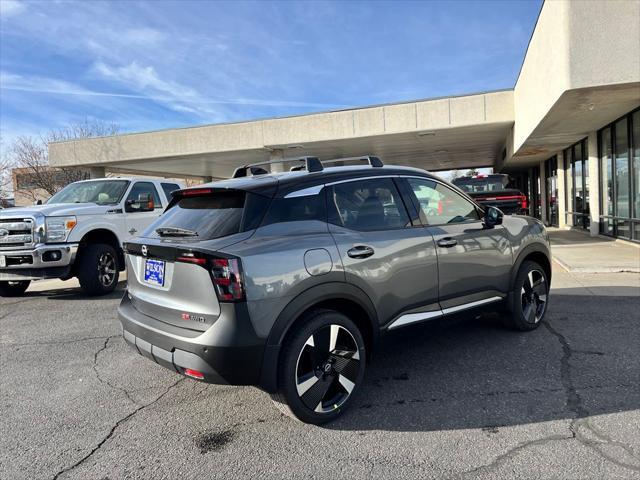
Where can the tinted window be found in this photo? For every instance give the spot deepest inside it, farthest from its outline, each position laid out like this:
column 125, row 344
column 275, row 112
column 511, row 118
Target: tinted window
column 145, row 188
column 168, row 188
column 212, row 216
column 373, row 204
column 440, row 204
column 296, row 209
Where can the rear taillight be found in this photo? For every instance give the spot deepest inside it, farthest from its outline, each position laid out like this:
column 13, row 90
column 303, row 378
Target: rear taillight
column 226, row 274
column 227, row 278
column 523, row 202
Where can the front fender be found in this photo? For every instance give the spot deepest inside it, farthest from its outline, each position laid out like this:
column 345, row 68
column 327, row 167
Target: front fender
column 83, row 228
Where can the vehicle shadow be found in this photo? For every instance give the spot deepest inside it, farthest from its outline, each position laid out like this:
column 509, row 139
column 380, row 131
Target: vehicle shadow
column 476, row 374
column 75, row 293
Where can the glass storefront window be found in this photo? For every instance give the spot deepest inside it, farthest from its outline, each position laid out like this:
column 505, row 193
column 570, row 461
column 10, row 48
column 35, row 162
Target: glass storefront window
column 622, row 169
column 578, row 194
column 577, row 187
column 635, row 122
column 551, row 173
column 606, row 186
column 619, row 145
column 569, row 183
column 585, row 175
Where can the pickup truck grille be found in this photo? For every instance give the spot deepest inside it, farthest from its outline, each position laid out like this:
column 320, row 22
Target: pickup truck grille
column 16, row 233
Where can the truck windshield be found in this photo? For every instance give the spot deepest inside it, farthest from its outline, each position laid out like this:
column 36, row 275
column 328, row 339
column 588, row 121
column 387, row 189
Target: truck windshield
column 102, row 192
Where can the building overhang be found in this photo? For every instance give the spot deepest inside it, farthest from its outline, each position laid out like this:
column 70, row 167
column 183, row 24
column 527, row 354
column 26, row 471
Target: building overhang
column 440, row 134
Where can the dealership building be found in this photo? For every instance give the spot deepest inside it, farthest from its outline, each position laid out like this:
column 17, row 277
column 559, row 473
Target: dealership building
column 568, row 132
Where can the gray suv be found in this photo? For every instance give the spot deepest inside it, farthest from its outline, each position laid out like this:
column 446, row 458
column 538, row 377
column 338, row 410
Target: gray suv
column 285, row 281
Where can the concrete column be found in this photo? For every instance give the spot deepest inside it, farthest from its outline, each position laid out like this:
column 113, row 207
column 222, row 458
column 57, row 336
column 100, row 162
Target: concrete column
column 562, row 194
column 594, row 183
column 543, row 194
column 275, row 155
column 97, row 172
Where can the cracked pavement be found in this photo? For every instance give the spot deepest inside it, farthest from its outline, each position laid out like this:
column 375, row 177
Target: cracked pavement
column 459, row 400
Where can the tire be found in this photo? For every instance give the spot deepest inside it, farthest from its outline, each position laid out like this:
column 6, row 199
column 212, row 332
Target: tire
column 322, row 365
column 14, row 289
column 98, row 269
column 530, row 298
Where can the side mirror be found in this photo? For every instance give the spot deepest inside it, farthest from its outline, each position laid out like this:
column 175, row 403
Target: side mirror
column 39, row 202
column 144, row 203
column 492, row 217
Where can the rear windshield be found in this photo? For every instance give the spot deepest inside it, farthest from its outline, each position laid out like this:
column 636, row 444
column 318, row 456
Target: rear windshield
column 482, row 184
column 210, row 216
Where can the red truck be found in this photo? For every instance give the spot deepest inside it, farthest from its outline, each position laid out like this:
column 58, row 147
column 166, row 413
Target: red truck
column 494, row 190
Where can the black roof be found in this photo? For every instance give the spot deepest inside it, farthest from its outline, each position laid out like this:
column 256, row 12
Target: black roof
column 286, row 182
column 281, row 184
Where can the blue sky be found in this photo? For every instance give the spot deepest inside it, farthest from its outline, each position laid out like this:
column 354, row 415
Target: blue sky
column 162, row 64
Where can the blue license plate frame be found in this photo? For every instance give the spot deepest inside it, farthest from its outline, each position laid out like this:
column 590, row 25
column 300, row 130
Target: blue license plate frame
column 154, row 271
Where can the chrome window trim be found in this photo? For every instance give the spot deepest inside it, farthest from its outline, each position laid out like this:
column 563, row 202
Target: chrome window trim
column 409, row 318
column 311, row 190
column 305, row 192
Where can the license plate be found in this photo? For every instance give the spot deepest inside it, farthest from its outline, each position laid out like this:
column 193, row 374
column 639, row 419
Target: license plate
column 3, row 261
column 154, row 272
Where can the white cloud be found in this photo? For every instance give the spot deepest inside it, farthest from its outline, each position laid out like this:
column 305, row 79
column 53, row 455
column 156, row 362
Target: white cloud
column 9, row 8
column 146, row 80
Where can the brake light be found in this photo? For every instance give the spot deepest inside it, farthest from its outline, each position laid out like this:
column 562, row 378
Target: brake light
column 195, row 191
column 194, row 374
column 227, row 279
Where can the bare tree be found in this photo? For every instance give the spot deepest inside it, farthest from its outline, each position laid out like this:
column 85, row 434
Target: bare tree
column 30, row 154
column 5, row 179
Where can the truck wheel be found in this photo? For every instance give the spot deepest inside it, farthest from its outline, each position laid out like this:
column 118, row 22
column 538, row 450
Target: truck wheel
column 98, row 269
column 13, row 289
column 322, row 365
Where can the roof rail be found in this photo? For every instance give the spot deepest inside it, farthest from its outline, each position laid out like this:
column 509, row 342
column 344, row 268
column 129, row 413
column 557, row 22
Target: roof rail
column 311, row 164
column 371, row 160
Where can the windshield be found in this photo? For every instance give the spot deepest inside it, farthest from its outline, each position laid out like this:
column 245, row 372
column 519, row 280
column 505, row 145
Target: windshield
column 102, row 192
column 483, row 184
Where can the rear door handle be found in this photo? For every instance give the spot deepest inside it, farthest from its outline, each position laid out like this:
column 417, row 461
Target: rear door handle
column 360, row 251
column 447, row 242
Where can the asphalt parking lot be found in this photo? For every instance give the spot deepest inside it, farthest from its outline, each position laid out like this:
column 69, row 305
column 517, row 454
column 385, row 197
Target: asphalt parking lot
column 469, row 400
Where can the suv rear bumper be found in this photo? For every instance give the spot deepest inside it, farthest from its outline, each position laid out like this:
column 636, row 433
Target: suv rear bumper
column 227, row 353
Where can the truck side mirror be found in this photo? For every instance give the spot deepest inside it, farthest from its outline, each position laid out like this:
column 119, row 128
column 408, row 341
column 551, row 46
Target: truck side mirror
column 144, row 203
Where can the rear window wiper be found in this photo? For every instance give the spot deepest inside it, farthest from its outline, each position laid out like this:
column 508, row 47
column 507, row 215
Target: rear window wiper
column 175, row 232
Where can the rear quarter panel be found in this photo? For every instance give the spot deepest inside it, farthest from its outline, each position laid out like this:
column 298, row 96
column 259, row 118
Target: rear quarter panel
column 281, row 261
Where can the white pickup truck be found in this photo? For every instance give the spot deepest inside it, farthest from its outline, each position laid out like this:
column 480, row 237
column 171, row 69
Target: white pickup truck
column 79, row 232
